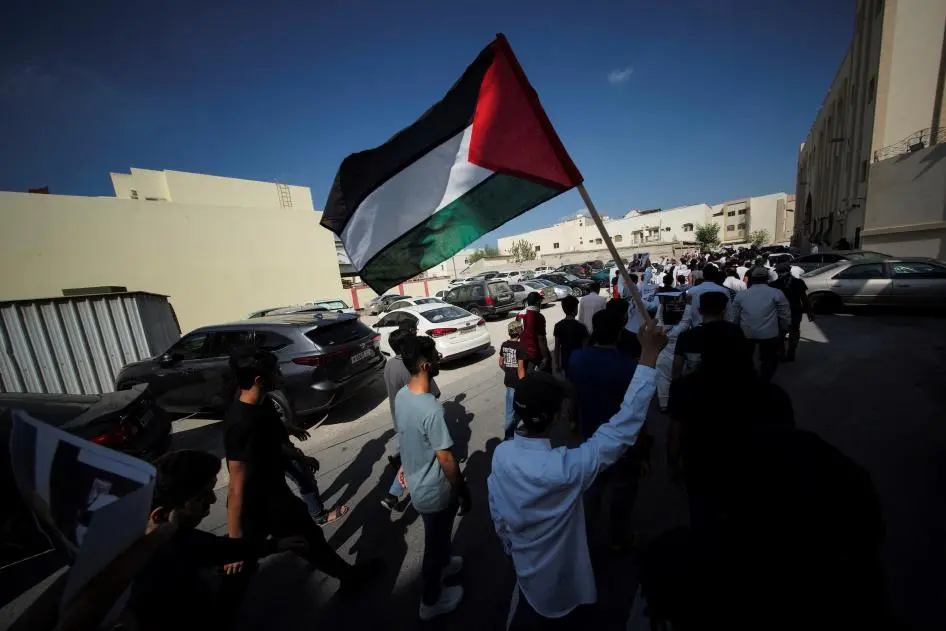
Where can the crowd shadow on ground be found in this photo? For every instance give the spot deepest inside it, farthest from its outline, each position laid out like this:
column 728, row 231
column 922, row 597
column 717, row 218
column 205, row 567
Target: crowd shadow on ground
column 467, row 360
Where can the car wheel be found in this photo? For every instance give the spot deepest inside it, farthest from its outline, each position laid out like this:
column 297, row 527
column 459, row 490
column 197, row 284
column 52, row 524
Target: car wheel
column 281, row 402
column 476, row 312
column 825, row 302
column 576, row 292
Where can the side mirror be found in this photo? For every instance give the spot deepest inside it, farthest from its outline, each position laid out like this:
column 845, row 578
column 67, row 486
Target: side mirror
column 168, row 359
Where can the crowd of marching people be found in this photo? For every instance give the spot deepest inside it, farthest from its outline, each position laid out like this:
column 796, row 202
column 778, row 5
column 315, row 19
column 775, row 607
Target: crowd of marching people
column 784, row 530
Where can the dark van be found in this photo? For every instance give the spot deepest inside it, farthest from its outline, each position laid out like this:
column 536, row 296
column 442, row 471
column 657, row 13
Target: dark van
column 483, row 297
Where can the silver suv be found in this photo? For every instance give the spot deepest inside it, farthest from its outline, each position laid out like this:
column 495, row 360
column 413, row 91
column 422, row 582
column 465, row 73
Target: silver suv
column 324, row 358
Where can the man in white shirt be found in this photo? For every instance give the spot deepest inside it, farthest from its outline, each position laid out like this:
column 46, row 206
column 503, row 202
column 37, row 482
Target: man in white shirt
column 680, row 269
column 635, row 319
column 535, row 492
column 764, row 314
column 712, row 281
column 590, row 304
column 732, row 282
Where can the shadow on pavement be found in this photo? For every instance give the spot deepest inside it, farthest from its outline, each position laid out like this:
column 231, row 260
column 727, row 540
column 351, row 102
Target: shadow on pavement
column 348, row 482
column 361, row 403
column 458, row 421
column 207, row 437
column 469, row 360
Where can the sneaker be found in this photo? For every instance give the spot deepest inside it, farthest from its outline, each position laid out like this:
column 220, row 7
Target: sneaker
column 390, row 501
column 453, row 567
column 450, row 598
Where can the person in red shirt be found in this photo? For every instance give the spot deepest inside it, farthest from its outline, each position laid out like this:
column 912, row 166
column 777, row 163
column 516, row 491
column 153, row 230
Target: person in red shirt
column 534, row 337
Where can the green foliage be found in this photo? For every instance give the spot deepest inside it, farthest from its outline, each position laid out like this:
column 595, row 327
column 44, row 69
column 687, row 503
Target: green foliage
column 522, row 250
column 483, row 253
column 759, row 238
column 707, row 235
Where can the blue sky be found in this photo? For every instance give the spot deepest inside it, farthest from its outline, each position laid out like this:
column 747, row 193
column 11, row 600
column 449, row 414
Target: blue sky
column 660, row 102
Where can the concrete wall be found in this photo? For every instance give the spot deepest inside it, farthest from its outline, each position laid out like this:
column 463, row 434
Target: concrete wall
column 210, row 190
column 217, row 263
column 906, row 210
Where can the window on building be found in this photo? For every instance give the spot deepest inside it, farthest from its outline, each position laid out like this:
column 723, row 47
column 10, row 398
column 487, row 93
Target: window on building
column 731, row 213
column 154, row 199
column 871, row 89
column 538, row 248
column 730, row 228
column 555, row 246
column 688, row 227
column 597, row 241
column 667, row 229
column 134, row 194
column 863, row 170
column 742, row 226
column 618, row 238
column 742, row 212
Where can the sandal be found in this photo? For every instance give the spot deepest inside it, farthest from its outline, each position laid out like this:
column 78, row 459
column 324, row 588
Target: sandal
column 333, row 515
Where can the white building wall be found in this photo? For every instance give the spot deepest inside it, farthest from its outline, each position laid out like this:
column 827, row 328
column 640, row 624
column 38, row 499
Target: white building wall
column 210, row 190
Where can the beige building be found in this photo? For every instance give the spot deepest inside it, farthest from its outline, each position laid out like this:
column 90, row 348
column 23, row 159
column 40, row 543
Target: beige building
column 868, row 170
column 647, row 228
column 198, row 239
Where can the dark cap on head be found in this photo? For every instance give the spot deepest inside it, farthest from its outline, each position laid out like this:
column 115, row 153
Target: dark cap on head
column 783, row 268
column 759, row 273
column 537, row 398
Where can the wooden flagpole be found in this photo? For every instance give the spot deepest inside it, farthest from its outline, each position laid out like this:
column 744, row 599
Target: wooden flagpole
column 635, row 293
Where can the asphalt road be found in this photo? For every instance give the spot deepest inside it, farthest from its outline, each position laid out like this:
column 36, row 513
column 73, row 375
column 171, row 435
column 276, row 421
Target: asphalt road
column 871, row 383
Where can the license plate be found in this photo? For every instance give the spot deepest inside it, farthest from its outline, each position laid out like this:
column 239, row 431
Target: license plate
column 468, row 329
column 357, row 357
column 145, row 418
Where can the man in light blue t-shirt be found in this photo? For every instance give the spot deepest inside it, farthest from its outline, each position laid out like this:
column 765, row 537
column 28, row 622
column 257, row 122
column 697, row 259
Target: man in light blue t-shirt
column 433, row 476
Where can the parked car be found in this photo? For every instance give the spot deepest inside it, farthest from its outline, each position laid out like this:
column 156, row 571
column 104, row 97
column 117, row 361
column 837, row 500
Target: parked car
column 523, row 289
column 456, row 332
column 285, row 311
column 779, row 257
column 581, row 271
column 440, row 294
column 559, row 291
column 593, row 265
column 379, row 304
column 128, row 421
column 483, row 298
column 811, row 262
column 890, row 282
column 413, row 302
column 602, row 275
column 334, row 304
column 579, row 286
column 456, row 281
column 542, row 269
column 324, row 357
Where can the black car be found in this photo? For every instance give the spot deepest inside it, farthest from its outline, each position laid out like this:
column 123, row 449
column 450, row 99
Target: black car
column 580, row 286
column 128, row 421
column 581, row 270
column 324, row 358
column 811, row 262
column 483, row 297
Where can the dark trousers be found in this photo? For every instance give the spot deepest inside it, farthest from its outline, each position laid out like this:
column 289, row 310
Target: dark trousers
column 620, row 481
column 768, row 356
column 438, row 529
column 528, row 619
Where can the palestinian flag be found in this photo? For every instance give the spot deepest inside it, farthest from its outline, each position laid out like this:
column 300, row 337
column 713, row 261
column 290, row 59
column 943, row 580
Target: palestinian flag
column 483, row 155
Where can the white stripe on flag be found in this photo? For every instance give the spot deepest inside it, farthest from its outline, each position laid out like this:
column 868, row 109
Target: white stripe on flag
column 409, row 198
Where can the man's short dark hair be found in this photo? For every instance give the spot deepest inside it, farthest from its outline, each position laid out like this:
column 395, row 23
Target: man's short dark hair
column 668, row 280
column 570, row 305
column 396, row 339
column 533, row 299
column 711, row 273
column 594, row 287
column 731, row 272
column 250, row 362
column 713, row 303
column 407, row 325
column 681, row 278
column 416, row 350
column 181, row 476
column 607, row 325
column 633, row 278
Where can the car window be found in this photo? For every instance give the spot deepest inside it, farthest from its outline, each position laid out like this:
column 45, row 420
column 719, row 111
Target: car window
column 917, row 269
column 451, row 295
column 864, row 271
column 339, row 332
column 571, row 277
column 517, row 288
column 392, row 319
column 477, row 291
column 821, row 270
column 811, row 258
column 222, row 343
column 832, row 258
column 498, row 288
column 191, row 346
column 400, row 304
column 425, row 301
column 445, row 314
column 866, row 255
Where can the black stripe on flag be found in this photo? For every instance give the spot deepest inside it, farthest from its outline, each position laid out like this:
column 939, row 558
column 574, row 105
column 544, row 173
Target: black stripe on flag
column 362, row 173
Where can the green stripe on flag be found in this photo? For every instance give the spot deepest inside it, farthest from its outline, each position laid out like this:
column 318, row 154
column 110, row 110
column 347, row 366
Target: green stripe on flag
column 484, row 208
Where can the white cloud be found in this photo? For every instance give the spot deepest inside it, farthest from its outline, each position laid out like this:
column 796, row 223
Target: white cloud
column 619, row 76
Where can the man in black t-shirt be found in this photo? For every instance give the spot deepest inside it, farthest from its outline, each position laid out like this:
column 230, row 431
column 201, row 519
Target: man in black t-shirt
column 512, row 360
column 570, row 334
column 715, row 344
column 796, row 291
column 259, row 502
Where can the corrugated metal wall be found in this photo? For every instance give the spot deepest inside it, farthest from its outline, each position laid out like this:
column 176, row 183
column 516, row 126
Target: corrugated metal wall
column 77, row 345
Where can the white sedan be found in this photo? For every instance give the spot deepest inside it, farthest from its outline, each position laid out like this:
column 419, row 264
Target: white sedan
column 414, row 302
column 455, row 331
